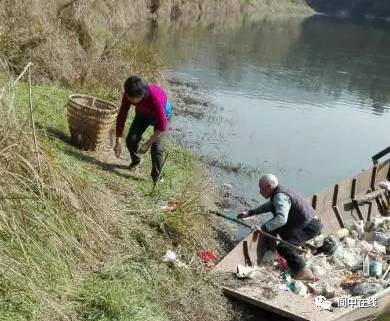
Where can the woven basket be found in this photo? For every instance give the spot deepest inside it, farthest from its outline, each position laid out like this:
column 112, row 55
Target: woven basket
column 90, row 120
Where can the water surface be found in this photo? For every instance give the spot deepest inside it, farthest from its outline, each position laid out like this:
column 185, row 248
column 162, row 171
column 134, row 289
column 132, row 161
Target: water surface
column 307, row 100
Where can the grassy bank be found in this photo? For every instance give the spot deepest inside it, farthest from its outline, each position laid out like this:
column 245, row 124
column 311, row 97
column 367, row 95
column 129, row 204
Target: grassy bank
column 82, row 239
column 84, row 42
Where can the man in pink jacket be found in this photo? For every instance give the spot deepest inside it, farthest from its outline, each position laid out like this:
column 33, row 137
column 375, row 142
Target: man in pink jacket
column 152, row 108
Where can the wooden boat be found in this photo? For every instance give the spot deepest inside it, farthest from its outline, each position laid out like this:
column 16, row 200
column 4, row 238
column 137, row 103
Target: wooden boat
column 355, row 198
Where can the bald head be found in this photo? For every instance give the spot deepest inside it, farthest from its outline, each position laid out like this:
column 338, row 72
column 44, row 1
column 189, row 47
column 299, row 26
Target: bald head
column 267, row 184
column 270, row 179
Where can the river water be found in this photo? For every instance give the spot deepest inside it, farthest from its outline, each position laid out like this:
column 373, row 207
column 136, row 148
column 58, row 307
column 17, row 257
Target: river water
column 305, row 99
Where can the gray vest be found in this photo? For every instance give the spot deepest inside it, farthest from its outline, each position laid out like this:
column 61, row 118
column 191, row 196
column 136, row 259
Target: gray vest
column 301, row 212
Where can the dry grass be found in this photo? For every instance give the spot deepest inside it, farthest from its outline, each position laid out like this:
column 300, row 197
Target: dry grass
column 92, row 42
column 51, row 224
column 68, row 251
column 74, row 43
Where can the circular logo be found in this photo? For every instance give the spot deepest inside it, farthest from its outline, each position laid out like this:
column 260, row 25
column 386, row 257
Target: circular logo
column 319, row 300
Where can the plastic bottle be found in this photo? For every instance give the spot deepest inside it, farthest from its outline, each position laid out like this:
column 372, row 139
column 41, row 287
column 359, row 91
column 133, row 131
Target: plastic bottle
column 376, row 269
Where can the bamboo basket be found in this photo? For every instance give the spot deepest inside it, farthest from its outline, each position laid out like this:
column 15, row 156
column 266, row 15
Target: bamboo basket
column 90, row 120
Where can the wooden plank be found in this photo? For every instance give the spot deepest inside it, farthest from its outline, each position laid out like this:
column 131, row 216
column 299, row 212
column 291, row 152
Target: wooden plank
column 382, row 172
column 383, row 300
column 385, row 203
column 369, row 215
column 363, row 184
column 294, row 307
column 369, row 197
column 324, row 200
column 338, row 216
column 345, row 213
column 280, row 310
column 248, row 260
column 236, row 256
column 363, row 181
column 335, row 195
column 373, row 178
column 353, row 188
column 325, row 210
column 379, row 205
column 344, row 189
column 285, row 304
column 355, row 205
column 380, row 154
column 388, row 172
column 331, row 206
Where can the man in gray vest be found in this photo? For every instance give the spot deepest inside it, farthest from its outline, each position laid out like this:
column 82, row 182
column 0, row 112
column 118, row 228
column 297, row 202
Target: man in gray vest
column 294, row 219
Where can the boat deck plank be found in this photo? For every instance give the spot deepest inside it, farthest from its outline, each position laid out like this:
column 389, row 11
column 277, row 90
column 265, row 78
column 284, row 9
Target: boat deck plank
column 294, row 307
column 285, row 303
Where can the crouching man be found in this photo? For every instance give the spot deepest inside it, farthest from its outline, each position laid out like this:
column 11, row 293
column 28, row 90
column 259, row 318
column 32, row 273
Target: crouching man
column 294, row 219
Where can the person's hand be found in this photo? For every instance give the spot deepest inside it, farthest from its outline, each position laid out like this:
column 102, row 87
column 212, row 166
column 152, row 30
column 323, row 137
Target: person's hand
column 118, row 147
column 242, row 214
column 260, row 228
column 256, row 228
column 143, row 148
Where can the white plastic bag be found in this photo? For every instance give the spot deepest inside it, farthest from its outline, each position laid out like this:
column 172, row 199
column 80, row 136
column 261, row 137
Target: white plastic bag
column 171, row 257
column 244, row 271
column 365, row 247
column 346, row 256
column 342, row 233
column 349, row 242
column 385, row 185
column 358, row 226
column 379, row 248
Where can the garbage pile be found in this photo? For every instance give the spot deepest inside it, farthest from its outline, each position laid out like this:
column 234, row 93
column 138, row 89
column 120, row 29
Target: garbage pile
column 352, row 262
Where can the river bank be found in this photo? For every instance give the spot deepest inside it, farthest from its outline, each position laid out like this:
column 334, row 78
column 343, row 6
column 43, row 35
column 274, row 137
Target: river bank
column 192, row 102
column 78, row 42
column 90, row 244
column 113, row 269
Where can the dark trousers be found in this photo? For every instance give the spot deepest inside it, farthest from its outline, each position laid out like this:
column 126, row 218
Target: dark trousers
column 294, row 261
column 137, row 128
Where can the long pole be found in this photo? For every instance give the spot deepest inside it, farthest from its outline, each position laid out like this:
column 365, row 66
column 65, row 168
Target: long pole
column 159, row 174
column 262, row 232
column 32, row 116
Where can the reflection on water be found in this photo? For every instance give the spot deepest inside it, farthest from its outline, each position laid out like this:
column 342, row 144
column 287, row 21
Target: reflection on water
column 305, row 99
column 342, row 56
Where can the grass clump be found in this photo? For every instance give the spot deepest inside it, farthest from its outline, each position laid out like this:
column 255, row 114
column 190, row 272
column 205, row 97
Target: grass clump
column 80, row 239
column 74, row 43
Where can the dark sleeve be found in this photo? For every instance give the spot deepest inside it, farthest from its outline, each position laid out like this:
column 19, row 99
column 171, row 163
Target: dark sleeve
column 122, row 116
